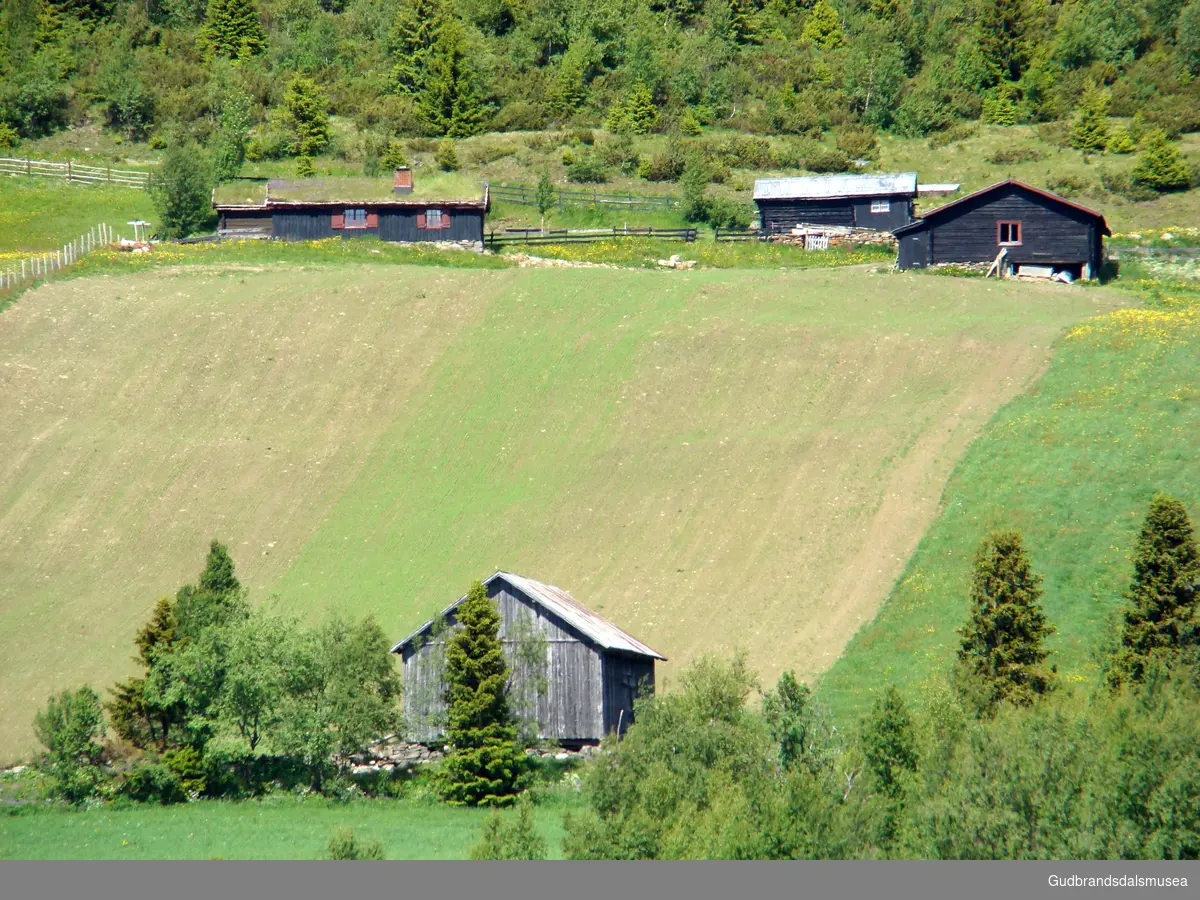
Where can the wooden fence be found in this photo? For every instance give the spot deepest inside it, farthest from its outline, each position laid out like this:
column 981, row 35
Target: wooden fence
column 731, row 235
column 75, row 172
column 527, row 195
column 534, row 236
column 40, row 265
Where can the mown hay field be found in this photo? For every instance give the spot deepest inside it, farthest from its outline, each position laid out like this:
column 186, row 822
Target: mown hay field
column 713, row 460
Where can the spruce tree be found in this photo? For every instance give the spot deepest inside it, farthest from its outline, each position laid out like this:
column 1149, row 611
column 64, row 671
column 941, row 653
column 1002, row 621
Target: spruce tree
column 486, row 766
column 182, row 193
column 305, row 116
column 545, row 196
column 1160, row 620
column 232, row 29
column 1160, row 166
column 1002, row 655
column 1089, row 129
column 136, row 717
column 413, row 34
column 449, row 102
column 445, row 155
column 1003, row 30
column 823, row 28
column 890, row 742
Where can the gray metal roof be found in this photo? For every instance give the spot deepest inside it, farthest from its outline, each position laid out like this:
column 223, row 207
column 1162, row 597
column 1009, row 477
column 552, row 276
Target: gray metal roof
column 563, row 605
column 829, row 187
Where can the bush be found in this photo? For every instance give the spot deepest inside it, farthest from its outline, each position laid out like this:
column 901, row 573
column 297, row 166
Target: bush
column 1008, row 156
column 305, row 167
column 488, row 150
column 585, row 168
column 188, row 766
column 666, row 164
column 520, row 116
column 516, row 838
column 152, row 782
column 688, row 125
column 584, row 136
column 722, row 212
column 822, row 159
column 952, row 135
column 8, row 136
column 344, row 844
column 858, row 141
column 619, row 151
column 269, row 144
column 1119, row 141
column 445, row 155
column 1123, row 185
column 1067, row 185
column 71, row 728
column 422, row 145
column 1160, row 165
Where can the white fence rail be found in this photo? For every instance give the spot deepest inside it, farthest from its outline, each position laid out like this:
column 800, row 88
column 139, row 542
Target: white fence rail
column 40, row 265
column 75, row 172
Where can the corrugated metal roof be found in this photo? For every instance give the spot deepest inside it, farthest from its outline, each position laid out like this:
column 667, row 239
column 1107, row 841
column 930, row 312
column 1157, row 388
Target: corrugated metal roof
column 828, row 187
column 567, row 608
column 946, row 188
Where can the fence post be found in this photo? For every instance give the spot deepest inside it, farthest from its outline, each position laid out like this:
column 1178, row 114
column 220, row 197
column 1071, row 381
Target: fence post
column 68, row 171
column 109, row 173
column 22, row 270
column 28, row 169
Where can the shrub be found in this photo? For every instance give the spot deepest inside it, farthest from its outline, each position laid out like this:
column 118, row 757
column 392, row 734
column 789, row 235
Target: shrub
column 1008, row 156
column 952, row 135
column 922, row 112
column 344, row 844
column 487, row 150
column 619, row 151
column 1160, row 165
column 515, row 838
column 1119, row 141
column 822, row 159
column 152, row 782
column 584, row 136
column 585, row 168
column 445, row 155
column 422, row 145
column 722, row 212
column 858, row 141
column 182, row 193
column 8, row 136
column 688, row 124
column 1123, row 185
column 268, row 144
column 666, row 164
column 1067, row 185
column 71, row 728
column 520, row 115
column 305, row 167
column 188, row 765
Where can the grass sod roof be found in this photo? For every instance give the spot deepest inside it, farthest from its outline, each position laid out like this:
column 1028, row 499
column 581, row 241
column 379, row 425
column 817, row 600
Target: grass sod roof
column 427, row 188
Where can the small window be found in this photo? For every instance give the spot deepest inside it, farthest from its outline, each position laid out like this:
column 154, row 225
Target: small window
column 356, row 218
column 433, row 218
column 881, row 206
column 1008, row 234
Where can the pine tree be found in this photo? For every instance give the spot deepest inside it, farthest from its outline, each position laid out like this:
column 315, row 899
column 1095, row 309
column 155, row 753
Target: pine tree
column 823, row 29
column 635, row 113
column 517, row 838
column 486, row 766
column 413, row 35
column 231, row 139
column 1089, row 129
column 1160, row 166
column 232, row 28
column 136, row 718
column 545, row 196
column 445, row 155
column 448, row 102
column 305, row 116
column 1160, row 621
column 1002, row 653
column 1120, row 141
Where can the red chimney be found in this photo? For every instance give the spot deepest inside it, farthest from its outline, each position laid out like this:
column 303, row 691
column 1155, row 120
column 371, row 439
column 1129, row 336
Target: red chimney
column 403, row 181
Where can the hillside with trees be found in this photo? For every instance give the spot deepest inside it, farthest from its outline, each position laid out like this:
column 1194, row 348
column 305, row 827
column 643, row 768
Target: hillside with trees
column 260, row 79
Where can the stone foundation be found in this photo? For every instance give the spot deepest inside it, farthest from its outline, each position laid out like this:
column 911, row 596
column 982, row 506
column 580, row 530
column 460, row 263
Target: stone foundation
column 393, row 753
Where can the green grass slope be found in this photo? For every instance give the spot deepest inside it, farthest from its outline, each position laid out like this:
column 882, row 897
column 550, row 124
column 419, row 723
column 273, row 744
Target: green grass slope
column 280, row 828
column 712, row 459
column 41, row 214
column 1073, row 465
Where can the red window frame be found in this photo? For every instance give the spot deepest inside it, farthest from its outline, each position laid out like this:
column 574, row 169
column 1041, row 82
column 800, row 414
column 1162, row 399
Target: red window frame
column 357, row 216
column 1010, row 242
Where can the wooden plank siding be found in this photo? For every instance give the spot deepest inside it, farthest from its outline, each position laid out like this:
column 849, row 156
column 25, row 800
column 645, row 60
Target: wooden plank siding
column 781, row 216
column 397, row 225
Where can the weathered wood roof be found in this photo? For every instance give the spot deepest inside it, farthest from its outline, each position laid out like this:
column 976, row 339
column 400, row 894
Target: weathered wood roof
column 560, row 603
column 834, row 187
column 920, row 221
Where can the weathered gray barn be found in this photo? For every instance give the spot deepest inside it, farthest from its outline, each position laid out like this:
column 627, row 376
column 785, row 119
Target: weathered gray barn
column 592, row 672
column 879, row 202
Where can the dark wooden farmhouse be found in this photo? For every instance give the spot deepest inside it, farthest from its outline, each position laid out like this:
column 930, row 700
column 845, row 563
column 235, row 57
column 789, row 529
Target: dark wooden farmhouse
column 1038, row 233
column 879, row 202
column 592, row 671
column 441, row 208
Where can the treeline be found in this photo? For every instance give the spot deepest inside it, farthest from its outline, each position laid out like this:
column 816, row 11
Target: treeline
column 996, row 758
column 172, row 70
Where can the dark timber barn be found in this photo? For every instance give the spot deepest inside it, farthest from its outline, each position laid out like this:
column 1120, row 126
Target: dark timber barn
column 1039, row 233
column 393, row 210
column 879, row 202
column 593, row 670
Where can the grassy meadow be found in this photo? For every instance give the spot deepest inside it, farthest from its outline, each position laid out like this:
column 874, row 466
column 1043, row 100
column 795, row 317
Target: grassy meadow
column 1072, row 464
column 712, row 459
column 274, row 828
column 40, row 214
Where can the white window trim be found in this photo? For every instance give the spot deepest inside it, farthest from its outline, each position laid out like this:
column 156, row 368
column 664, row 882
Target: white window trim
column 881, row 206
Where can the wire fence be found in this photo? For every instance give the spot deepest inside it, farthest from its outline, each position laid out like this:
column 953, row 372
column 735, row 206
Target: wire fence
column 563, row 198
column 75, row 172
column 41, row 265
column 535, row 236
